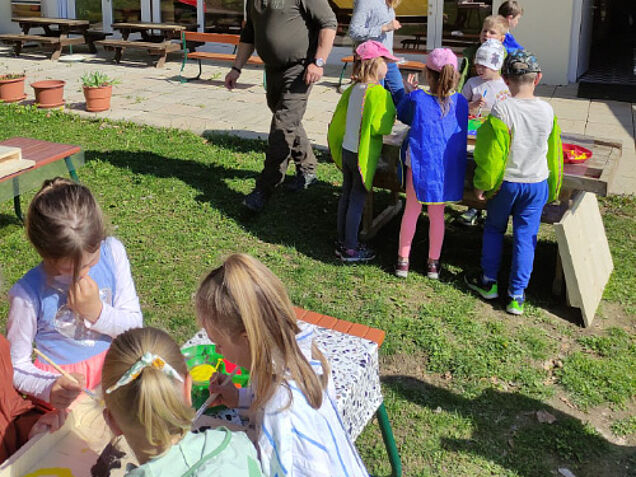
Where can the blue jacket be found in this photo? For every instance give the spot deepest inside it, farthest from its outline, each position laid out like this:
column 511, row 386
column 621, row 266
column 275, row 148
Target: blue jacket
column 511, row 44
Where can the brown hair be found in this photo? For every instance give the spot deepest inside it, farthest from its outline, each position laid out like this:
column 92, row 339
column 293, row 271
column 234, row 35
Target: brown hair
column 442, row 84
column 366, row 71
column 496, row 22
column 510, row 8
column 64, row 221
column 521, row 79
column 153, row 405
column 243, row 295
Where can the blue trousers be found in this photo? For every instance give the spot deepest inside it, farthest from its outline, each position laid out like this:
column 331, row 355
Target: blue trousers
column 525, row 203
column 393, row 80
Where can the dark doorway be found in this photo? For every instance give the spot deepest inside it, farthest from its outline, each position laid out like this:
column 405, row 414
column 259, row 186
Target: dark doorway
column 612, row 68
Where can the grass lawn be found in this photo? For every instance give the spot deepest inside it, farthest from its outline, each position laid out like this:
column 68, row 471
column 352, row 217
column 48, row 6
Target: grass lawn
column 462, row 380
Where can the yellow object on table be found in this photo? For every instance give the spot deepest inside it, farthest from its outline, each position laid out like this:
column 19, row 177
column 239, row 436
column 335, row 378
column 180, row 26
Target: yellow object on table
column 202, row 372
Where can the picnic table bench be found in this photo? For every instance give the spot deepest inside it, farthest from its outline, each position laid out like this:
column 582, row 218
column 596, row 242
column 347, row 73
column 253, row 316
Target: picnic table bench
column 408, row 66
column 583, row 260
column 54, row 38
column 50, row 160
column 158, row 45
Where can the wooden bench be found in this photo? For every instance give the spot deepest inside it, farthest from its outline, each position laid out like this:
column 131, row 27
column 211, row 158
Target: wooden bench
column 55, row 42
column 191, row 40
column 160, row 49
column 408, row 66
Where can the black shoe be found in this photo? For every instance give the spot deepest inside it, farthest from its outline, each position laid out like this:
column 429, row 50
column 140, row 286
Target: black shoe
column 255, row 200
column 301, row 181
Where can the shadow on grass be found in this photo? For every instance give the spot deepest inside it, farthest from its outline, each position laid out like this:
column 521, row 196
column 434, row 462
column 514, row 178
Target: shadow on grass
column 506, row 431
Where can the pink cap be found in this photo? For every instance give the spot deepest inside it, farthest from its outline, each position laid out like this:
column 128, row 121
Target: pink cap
column 374, row 49
column 440, row 57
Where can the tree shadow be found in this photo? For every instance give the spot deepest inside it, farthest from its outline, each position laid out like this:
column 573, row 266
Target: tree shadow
column 506, row 431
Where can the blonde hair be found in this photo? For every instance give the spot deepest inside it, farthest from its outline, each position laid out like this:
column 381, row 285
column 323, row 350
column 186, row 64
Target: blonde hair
column 496, row 22
column 366, row 71
column 393, row 3
column 442, row 84
column 152, row 405
column 64, row 221
column 243, row 295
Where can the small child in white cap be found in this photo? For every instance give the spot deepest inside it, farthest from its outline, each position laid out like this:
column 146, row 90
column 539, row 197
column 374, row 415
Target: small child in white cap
column 483, row 91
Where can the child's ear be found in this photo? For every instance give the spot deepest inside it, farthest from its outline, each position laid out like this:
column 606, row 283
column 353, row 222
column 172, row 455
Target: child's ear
column 538, row 78
column 110, row 421
column 187, row 389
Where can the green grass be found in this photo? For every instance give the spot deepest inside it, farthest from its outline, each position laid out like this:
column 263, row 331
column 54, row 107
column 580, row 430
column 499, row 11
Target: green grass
column 462, row 380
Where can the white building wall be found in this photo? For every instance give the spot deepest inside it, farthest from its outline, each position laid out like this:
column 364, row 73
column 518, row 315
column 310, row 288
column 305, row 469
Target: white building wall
column 48, row 8
column 546, row 30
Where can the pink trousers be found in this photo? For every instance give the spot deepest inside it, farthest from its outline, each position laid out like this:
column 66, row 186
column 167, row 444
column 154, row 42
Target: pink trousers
column 409, row 222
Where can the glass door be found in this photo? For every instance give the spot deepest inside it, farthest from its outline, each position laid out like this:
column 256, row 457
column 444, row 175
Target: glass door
column 462, row 21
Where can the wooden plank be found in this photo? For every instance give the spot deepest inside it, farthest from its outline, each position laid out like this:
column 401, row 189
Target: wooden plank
column 147, row 45
column 206, row 55
column 148, row 26
column 327, row 321
column 585, row 254
column 375, row 335
column 342, row 326
column 212, row 37
column 14, row 37
column 50, row 21
column 8, row 153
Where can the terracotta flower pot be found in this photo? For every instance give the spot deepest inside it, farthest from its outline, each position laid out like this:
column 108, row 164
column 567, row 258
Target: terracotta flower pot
column 12, row 90
column 49, row 93
column 98, row 99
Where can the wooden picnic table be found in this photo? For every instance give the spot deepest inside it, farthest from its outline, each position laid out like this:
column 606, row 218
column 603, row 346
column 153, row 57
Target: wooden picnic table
column 51, row 159
column 156, row 44
column 583, row 261
column 56, row 34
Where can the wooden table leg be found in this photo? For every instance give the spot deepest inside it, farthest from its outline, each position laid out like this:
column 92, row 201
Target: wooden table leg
column 57, row 52
column 119, row 51
column 16, row 199
column 557, row 283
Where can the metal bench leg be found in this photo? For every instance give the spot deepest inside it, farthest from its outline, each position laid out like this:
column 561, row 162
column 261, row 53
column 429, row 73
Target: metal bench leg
column 344, row 68
column 71, row 168
column 16, row 199
column 389, row 441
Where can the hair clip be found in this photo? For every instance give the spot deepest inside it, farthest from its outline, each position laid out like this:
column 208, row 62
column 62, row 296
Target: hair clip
column 146, row 361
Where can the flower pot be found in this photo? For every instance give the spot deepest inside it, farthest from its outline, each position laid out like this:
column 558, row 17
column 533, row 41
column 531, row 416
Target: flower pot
column 49, row 93
column 98, row 99
column 12, row 90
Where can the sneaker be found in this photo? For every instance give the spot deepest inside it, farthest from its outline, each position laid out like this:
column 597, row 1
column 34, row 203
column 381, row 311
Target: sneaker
column 255, row 200
column 301, row 181
column 470, row 218
column 433, row 268
column 338, row 248
column 486, row 288
column 515, row 306
column 402, row 268
column 360, row 254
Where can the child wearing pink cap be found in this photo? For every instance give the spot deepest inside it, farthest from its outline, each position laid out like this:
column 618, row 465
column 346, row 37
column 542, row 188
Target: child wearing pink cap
column 363, row 115
column 435, row 154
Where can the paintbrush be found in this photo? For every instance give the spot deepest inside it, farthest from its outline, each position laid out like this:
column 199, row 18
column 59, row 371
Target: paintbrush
column 483, row 96
column 213, row 396
column 64, row 373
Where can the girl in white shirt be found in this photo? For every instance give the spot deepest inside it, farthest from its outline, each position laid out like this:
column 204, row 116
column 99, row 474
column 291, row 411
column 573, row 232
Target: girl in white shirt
column 246, row 312
column 75, row 301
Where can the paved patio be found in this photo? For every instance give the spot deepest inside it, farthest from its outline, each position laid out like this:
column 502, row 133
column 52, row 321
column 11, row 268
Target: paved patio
column 156, row 97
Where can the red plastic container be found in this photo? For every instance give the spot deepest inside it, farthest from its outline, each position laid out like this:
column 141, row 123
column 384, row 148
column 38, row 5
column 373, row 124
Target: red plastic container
column 575, row 154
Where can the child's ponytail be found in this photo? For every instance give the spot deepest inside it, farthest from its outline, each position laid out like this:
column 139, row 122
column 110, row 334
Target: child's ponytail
column 152, row 405
column 447, row 82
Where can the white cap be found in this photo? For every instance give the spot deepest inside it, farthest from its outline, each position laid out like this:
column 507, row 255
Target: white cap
column 491, row 54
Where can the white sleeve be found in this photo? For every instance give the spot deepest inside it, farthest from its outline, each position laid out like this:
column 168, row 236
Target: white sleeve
column 21, row 330
column 125, row 313
column 467, row 91
column 245, row 397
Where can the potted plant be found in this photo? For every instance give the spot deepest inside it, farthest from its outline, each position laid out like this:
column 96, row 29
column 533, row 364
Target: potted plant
column 98, row 89
column 49, row 93
column 12, row 87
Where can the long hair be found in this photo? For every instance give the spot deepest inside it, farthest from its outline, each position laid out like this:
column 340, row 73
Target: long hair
column 64, row 222
column 243, row 295
column 442, row 84
column 152, row 405
column 365, row 71
column 393, row 3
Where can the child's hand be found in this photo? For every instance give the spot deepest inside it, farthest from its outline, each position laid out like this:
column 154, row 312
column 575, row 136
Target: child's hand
column 474, row 106
column 228, row 393
column 410, row 84
column 49, row 422
column 479, row 194
column 65, row 391
column 83, row 299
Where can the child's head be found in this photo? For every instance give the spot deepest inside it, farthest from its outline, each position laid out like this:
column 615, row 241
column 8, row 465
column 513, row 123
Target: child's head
column 247, row 313
column 371, row 59
column 147, row 390
column 521, row 70
column 441, row 72
column 511, row 10
column 494, row 27
column 65, row 225
column 489, row 59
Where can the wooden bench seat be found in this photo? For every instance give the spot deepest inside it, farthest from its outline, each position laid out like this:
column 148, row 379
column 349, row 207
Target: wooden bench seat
column 55, row 42
column 155, row 49
column 192, row 39
column 408, row 66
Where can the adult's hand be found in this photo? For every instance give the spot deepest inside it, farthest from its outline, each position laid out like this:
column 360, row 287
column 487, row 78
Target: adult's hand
column 65, row 391
column 313, row 73
column 83, row 298
column 391, row 26
column 231, row 78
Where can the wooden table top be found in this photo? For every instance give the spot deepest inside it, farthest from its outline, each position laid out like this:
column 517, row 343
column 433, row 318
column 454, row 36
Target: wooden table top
column 148, row 26
column 50, row 21
column 42, row 152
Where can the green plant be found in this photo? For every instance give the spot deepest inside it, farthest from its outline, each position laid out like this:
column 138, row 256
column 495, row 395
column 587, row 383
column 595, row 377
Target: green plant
column 96, row 79
column 10, row 76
